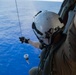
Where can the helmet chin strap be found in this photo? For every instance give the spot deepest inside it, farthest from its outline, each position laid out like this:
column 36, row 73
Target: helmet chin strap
column 41, row 41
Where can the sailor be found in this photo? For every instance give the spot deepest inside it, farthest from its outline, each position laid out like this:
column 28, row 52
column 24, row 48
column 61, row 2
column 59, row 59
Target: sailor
column 58, row 56
column 46, row 25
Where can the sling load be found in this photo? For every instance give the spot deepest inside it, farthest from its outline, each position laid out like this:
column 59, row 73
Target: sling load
column 26, row 56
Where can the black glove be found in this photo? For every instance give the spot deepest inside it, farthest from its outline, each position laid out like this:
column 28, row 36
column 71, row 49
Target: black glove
column 23, row 39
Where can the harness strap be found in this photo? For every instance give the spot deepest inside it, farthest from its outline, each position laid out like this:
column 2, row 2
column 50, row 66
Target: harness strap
column 49, row 59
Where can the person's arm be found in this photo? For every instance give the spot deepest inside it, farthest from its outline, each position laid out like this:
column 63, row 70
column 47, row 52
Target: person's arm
column 28, row 41
column 35, row 44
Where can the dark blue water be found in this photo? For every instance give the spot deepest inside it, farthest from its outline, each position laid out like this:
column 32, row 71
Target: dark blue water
column 12, row 51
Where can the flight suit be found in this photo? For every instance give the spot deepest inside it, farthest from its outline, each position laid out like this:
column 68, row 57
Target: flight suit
column 64, row 62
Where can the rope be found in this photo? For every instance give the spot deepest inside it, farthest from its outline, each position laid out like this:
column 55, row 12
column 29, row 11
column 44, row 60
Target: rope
column 18, row 17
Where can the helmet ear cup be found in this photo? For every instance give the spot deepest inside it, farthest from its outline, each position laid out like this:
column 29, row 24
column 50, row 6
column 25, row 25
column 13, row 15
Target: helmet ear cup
column 49, row 33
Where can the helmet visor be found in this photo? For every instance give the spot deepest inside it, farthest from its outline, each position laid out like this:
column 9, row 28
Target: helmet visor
column 34, row 27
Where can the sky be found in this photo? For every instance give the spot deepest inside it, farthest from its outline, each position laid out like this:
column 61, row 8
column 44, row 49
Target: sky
column 52, row 0
column 55, row 0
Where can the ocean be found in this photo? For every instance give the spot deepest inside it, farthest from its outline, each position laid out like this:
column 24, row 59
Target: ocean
column 12, row 61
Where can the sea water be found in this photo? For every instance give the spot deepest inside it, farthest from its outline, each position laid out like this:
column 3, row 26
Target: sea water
column 12, row 61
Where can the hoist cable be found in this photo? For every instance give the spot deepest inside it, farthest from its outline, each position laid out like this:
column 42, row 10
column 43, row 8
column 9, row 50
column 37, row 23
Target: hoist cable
column 18, row 17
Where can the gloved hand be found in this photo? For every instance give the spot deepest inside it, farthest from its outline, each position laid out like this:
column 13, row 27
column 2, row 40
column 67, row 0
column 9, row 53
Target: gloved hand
column 23, row 39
